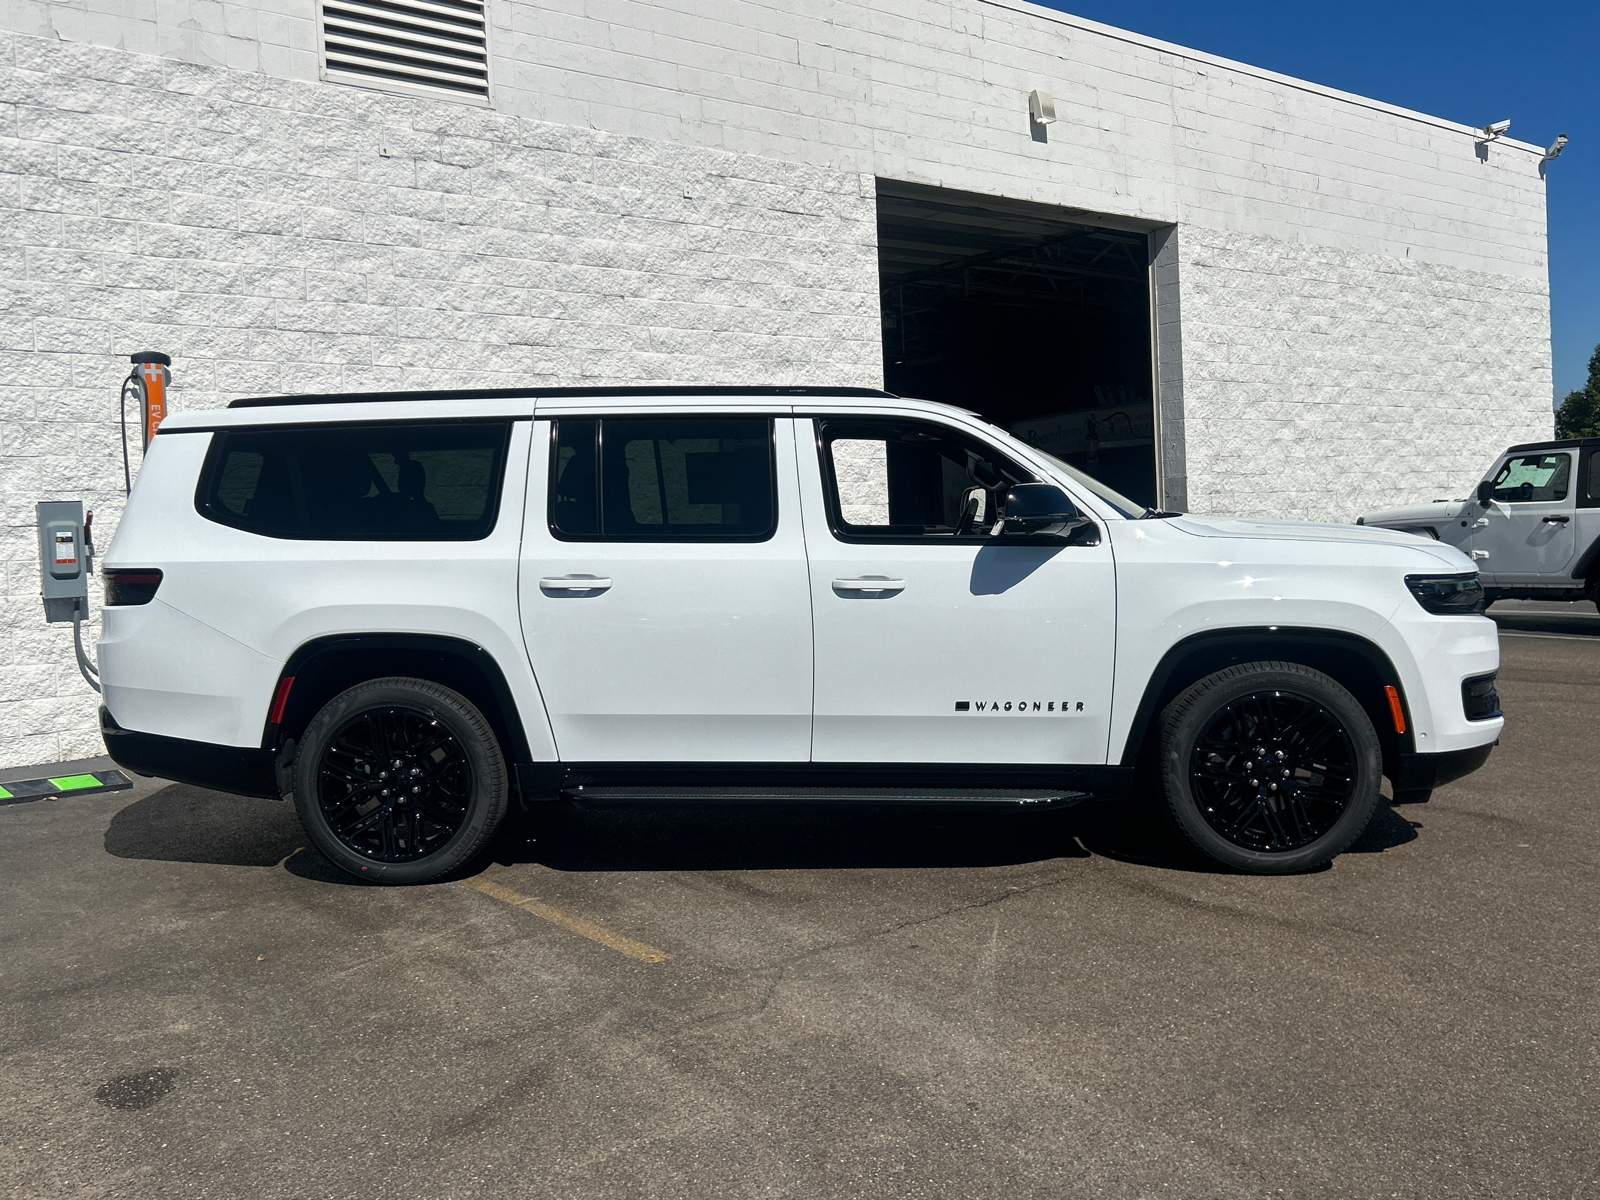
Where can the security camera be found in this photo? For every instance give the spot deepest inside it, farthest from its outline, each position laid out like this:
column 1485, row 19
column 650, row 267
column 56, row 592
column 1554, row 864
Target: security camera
column 1492, row 131
column 1556, row 147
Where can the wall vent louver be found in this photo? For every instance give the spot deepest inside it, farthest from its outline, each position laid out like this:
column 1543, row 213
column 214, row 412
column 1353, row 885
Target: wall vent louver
column 436, row 44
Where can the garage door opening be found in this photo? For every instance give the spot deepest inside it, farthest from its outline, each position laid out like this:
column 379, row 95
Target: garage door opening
column 1035, row 317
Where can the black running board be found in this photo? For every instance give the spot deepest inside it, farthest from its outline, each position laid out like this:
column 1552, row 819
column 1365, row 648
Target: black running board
column 644, row 794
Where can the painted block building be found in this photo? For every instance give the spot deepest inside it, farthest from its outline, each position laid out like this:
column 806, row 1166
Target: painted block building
column 1221, row 289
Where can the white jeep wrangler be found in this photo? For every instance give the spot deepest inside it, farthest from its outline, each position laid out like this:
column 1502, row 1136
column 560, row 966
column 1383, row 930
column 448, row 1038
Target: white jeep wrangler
column 1533, row 526
column 410, row 610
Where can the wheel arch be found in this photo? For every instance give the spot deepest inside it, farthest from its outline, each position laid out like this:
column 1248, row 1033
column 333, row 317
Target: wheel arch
column 1587, row 567
column 326, row 666
column 1359, row 665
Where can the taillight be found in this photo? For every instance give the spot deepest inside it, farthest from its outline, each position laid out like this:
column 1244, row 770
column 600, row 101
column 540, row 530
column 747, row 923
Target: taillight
column 280, row 700
column 131, row 585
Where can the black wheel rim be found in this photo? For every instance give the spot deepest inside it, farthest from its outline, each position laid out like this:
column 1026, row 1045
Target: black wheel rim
column 394, row 784
column 1273, row 771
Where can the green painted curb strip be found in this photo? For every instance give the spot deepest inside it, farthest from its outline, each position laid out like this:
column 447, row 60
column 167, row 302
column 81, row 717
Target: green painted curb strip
column 68, row 782
column 4, row 795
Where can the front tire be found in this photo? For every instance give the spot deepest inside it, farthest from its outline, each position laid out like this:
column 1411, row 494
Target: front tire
column 1269, row 767
column 400, row 780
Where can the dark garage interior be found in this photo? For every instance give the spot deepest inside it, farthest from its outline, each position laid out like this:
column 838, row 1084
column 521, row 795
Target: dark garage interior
column 1033, row 316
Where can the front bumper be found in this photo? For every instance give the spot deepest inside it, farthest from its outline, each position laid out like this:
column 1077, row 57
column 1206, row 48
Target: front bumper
column 241, row 769
column 1423, row 772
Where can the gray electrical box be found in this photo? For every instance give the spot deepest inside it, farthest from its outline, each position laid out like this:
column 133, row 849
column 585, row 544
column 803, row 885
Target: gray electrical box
column 63, row 560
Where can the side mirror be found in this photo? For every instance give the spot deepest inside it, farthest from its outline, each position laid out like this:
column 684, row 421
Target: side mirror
column 1486, row 493
column 973, row 507
column 1041, row 508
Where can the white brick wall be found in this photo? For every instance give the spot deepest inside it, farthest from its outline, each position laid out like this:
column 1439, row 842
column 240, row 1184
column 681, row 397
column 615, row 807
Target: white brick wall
column 283, row 236
column 934, row 91
column 1322, row 383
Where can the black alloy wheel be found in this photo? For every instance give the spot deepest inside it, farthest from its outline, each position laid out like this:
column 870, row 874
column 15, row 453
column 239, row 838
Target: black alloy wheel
column 394, row 784
column 400, row 780
column 1273, row 771
column 1269, row 767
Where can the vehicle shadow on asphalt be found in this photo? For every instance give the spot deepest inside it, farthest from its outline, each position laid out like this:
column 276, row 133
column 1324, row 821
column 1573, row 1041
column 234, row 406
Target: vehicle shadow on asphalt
column 181, row 823
column 1576, row 625
column 1137, row 832
column 1577, row 619
column 784, row 836
column 748, row 837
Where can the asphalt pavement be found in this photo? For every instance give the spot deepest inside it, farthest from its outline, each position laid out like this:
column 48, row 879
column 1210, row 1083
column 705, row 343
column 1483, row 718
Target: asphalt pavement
column 810, row 1001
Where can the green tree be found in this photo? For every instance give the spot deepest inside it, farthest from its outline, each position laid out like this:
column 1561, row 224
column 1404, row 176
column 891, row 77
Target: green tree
column 1579, row 414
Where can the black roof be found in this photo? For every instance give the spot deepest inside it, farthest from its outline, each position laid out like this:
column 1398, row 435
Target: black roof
column 538, row 392
column 1557, row 444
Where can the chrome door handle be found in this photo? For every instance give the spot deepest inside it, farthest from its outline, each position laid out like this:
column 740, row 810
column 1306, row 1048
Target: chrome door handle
column 1480, row 522
column 1480, row 555
column 1561, row 520
column 875, row 584
column 573, row 583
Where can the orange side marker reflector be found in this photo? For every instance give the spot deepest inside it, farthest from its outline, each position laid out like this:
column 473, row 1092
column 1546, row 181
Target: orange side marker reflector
column 280, row 700
column 1395, row 711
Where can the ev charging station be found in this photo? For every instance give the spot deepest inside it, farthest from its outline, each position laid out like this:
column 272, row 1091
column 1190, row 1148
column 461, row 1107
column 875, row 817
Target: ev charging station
column 66, row 560
column 66, row 536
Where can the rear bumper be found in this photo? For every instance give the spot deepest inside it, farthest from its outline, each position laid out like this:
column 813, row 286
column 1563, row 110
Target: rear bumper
column 240, row 769
column 1419, row 772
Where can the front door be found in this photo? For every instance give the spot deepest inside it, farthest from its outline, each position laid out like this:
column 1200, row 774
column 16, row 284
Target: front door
column 1526, row 535
column 935, row 641
column 663, row 588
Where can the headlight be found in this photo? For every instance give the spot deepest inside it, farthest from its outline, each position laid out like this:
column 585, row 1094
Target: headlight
column 1449, row 595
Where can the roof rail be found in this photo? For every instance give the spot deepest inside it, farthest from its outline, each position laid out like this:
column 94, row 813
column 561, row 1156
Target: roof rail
column 1554, row 444
column 538, row 392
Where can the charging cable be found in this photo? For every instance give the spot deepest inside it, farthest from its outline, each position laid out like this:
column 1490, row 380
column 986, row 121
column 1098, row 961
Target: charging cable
column 132, row 381
column 90, row 672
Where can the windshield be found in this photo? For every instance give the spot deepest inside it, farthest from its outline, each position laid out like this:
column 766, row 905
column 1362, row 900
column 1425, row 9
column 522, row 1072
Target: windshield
column 1117, row 500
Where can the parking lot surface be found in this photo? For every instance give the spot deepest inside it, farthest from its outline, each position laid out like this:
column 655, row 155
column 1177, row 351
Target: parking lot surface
column 821, row 1001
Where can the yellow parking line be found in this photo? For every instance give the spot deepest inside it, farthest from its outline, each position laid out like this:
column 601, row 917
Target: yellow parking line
column 577, row 925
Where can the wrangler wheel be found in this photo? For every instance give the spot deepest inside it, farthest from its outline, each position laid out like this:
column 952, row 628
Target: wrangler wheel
column 400, row 780
column 1269, row 767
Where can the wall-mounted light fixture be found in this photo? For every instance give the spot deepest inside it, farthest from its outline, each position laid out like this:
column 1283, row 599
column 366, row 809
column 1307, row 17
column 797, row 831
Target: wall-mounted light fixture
column 1042, row 107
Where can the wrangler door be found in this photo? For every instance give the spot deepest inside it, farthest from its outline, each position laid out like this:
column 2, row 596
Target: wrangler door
column 936, row 642
column 1526, row 535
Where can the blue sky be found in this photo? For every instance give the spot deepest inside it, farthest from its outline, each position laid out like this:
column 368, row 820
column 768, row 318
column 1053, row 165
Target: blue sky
column 1537, row 63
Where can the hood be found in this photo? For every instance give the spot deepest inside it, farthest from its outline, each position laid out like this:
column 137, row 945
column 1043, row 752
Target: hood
column 1439, row 510
column 1317, row 531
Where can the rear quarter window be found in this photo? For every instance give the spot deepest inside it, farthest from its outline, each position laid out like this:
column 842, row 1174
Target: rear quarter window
column 391, row 481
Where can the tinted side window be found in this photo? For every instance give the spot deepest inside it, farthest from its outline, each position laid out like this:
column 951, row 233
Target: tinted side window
column 1526, row 478
column 911, row 479
column 662, row 479
column 417, row 481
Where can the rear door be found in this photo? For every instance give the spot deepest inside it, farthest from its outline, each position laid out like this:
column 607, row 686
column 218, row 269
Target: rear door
column 1526, row 536
column 936, row 643
column 663, row 587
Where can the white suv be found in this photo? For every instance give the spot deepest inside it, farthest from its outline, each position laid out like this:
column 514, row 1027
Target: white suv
column 409, row 610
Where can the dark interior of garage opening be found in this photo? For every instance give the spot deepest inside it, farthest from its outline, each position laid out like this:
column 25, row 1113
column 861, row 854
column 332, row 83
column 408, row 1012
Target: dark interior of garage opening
column 1037, row 318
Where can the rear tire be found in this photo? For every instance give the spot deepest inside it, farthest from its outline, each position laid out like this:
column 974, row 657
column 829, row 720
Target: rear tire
column 1269, row 767
column 400, row 780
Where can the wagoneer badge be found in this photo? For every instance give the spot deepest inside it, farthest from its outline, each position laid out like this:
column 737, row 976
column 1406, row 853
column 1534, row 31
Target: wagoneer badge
column 1019, row 706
